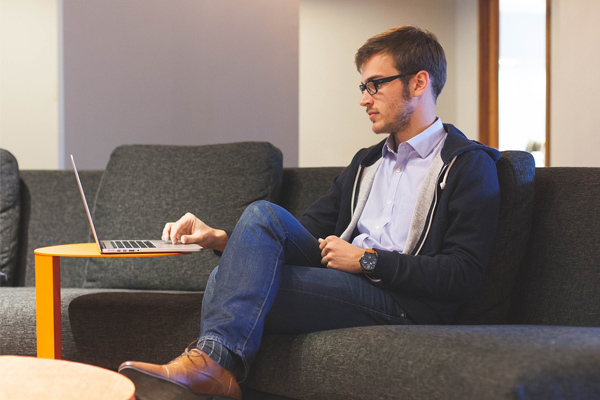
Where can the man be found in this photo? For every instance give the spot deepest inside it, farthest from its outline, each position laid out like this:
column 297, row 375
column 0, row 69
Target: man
column 405, row 233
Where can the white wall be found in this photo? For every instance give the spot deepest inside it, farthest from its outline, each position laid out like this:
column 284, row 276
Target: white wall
column 575, row 83
column 179, row 72
column 29, row 82
column 332, row 124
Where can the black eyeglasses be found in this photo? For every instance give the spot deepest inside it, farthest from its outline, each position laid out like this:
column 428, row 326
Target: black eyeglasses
column 373, row 86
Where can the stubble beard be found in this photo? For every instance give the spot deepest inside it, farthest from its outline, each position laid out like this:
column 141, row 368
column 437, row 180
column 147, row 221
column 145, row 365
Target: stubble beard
column 402, row 121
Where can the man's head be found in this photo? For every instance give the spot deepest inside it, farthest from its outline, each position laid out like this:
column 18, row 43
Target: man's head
column 412, row 50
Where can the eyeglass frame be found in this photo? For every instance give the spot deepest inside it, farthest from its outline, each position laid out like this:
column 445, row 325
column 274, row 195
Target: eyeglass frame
column 377, row 82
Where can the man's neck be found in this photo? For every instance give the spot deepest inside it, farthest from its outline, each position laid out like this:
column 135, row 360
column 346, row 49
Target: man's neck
column 416, row 126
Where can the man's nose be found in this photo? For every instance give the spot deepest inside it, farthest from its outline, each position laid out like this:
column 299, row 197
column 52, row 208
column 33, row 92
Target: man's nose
column 366, row 99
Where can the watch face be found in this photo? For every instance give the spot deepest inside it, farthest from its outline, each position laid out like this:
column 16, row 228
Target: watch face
column 368, row 261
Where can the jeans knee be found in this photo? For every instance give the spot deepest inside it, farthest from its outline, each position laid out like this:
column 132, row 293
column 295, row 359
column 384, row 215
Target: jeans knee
column 263, row 215
column 260, row 205
column 261, row 209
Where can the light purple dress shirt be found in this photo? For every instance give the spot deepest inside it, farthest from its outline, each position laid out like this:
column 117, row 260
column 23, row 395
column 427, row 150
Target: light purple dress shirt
column 385, row 220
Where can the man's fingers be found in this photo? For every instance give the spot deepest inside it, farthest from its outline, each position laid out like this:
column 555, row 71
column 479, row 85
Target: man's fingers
column 175, row 231
column 193, row 238
column 167, row 231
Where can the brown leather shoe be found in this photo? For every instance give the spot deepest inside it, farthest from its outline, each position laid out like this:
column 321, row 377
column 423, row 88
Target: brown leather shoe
column 193, row 375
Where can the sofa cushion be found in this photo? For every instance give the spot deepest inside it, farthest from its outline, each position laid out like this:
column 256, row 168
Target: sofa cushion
column 431, row 362
column 559, row 280
column 144, row 187
column 18, row 327
column 9, row 216
column 516, row 170
column 111, row 326
column 105, row 327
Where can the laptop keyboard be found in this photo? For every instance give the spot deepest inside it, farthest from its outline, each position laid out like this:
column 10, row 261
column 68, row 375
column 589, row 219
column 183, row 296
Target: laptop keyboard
column 135, row 244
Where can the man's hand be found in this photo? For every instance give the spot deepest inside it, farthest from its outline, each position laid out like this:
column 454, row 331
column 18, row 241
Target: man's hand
column 339, row 254
column 189, row 229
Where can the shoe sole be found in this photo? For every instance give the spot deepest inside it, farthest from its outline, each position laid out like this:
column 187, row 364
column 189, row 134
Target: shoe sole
column 152, row 387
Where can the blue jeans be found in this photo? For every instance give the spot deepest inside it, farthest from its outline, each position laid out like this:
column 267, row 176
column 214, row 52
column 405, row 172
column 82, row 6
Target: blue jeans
column 270, row 278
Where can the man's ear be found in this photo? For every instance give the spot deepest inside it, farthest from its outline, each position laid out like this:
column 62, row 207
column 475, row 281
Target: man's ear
column 420, row 83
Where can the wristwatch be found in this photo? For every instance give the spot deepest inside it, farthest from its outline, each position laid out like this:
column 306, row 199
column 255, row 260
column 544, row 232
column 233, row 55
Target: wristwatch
column 368, row 261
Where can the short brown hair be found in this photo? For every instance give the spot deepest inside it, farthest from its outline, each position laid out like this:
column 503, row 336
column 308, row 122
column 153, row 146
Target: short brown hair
column 413, row 50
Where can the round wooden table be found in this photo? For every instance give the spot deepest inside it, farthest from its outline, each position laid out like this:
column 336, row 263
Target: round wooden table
column 25, row 378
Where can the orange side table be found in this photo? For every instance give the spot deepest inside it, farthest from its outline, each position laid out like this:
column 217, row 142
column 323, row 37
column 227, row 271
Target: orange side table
column 47, row 291
column 30, row 378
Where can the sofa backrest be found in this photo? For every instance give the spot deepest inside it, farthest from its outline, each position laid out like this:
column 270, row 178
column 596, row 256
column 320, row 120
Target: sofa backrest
column 490, row 305
column 9, row 216
column 143, row 187
column 52, row 214
column 302, row 186
column 559, row 279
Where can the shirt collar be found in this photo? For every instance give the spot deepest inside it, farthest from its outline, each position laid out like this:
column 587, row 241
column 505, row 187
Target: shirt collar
column 423, row 143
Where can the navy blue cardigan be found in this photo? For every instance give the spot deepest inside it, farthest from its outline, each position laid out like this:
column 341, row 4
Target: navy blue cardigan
column 454, row 252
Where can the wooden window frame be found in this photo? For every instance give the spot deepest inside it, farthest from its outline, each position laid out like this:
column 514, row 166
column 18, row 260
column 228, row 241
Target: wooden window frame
column 489, row 52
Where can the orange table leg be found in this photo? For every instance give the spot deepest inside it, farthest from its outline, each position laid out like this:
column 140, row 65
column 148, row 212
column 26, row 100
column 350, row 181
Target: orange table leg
column 47, row 300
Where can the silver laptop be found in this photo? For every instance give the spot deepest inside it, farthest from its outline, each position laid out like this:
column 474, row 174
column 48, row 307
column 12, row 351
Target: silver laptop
column 128, row 245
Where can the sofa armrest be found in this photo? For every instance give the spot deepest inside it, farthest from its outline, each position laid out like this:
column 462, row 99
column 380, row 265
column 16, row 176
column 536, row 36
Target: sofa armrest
column 9, row 217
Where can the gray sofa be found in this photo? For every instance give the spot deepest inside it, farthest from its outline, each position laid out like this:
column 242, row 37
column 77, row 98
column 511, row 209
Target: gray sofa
column 532, row 332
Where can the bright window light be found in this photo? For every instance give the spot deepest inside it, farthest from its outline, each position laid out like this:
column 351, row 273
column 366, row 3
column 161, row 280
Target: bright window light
column 522, row 77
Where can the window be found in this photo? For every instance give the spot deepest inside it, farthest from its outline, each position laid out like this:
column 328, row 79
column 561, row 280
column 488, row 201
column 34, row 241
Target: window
column 514, row 75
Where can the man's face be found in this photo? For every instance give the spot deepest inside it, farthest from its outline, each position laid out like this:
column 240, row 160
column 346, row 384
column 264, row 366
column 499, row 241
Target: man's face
column 390, row 109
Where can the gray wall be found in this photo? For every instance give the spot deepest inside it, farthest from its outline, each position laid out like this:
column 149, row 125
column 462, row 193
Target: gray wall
column 179, row 72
